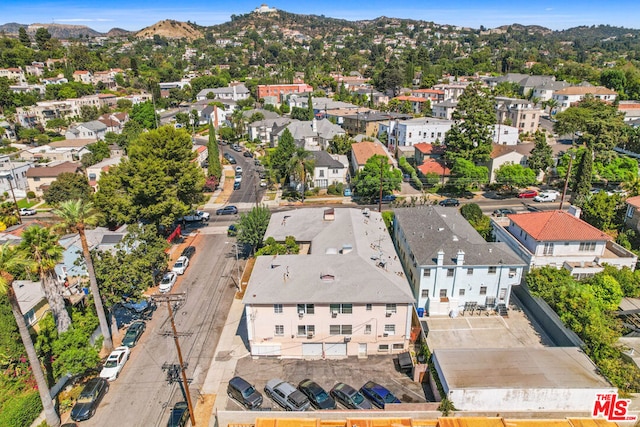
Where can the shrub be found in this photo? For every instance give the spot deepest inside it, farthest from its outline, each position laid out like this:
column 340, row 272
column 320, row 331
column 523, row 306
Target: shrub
column 31, row 195
column 21, row 410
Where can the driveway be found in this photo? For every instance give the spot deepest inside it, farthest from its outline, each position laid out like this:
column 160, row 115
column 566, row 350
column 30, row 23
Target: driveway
column 327, row 373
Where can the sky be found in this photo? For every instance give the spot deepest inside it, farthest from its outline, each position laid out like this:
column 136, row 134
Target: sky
column 134, row 15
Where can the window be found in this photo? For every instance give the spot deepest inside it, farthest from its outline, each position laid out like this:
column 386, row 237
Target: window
column 449, row 272
column 30, row 317
column 587, row 246
column 483, row 290
column 470, row 271
column 512, row 272
column 443, row 293
column 279, row 330
column 461, row 292
column 321, row 173
column 426, row 272
column 304, row 330
column 425, row 293
column 341, row 308
column 334, row 171
column 383, row 347
column 493, row 269
column 630, row 211
column 340, row 329
column 390, row 329
column 548, row 249
column 391, row 308
column 306, row 308
column 369, row 307
column 398, row 346
column 277, row 308
column 367, row 329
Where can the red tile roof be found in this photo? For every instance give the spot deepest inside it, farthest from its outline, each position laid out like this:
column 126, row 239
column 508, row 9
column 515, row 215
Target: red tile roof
column 364, row 150
column 434, row 166
column 426, row 148
column 634, row 201
column 557, row 226
column 411, row 98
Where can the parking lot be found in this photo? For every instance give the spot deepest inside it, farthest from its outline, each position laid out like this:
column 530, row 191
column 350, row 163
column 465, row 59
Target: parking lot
column 353, row 371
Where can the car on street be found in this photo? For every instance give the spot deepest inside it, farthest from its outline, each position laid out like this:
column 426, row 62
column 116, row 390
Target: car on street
column 230, row 158
column 227, row 210
column 114, row 363
column 133, row 334
column 503, row 212
column 318, row 397
column 89, row 399
column 236, row 147
column 546, row 197
column 179, row 415
column 349, row 397
column 286, row 395
column 527, row 194
column 347, row 192
column 189, row 251
column 385, row 199
column 449, row 202
column 247, row 154
column 238, row 170
column 27, row 212
column 180, row 266
column 167, row 282
column 240, row 390
column 196, row 216
column 377, row 394
column 257, row 162
column 238, row 178
column 237, row 185
column 263, row 183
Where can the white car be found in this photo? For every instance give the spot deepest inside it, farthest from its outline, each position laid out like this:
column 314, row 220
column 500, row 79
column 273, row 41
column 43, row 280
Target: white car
column 180, row 265
column 167, row 282
column 546, row 197
column 238, row 169
column 114, row 363
column 27, row 212
column 263, row 183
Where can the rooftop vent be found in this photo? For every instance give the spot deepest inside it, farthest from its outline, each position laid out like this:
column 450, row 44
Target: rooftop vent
column 346, row 249
column 329, row 214
column 455, row 238
column 331, row 251
column 327, row 277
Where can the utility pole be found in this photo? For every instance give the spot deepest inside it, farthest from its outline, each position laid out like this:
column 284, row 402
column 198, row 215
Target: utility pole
column 9, row 177
column 566, row 181
column 169, row 298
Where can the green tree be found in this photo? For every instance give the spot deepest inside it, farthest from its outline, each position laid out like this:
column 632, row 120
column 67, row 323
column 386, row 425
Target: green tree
column 68, row 186
column 583, row 177
column 56, row 124
column 43, row 37
column 515, row 175
column 614, row 79
column 480, row 222
column 607, row 290
column 271, row 247
column 310, row 113
column 470, row 137
column 98, row 151
column 24, row 37
column 300, row 166
column 603, row 211
column 88, row 113
column 377, row 173
column 75, row 216
column 144, row 115
column 41, row 246
column 280, row 157
column 72, row 350
column 214, row 168
column 467, row 175
column 340, row 144
column 252, row 226
column 541, row 156
column 10, row 259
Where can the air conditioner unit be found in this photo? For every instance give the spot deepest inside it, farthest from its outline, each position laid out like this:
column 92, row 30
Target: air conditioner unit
column 310, row 335
column 301, row 313
column 334, row 313
column 512, row 274
column 347, row 339
column 389, row 313
column 385, row 334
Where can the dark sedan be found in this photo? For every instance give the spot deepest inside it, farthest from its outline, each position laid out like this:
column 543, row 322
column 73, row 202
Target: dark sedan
column 318, row 397
column 89, row 399
column 227, row 210
column 449, row 202
column 133, row 334
column 377, row 394
column 349, row 397
column 503, row 212
column 189, row 251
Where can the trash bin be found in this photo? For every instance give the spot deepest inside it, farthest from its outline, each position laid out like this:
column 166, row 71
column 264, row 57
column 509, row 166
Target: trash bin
column 86, row 291
column 420, row 312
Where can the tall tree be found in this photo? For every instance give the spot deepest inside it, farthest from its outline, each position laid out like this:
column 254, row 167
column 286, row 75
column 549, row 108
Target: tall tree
column 541, row 156
column 376, row 174
column 43, row 37
column 467, row 175
column 10, row 259
column 279, row 158
column 75, row 216
column 584, row 176
column 24, row 37
column 68, row 186
column 41, row 246
column 470, row 137
column 252, row 226
column 214, row 168
column 300, row 166
column 310, row 114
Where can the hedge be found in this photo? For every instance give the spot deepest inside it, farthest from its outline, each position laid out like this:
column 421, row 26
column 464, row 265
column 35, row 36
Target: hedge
column 22, row 410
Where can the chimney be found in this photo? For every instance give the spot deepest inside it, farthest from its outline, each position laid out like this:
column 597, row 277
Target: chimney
column 575, row 211
column 460, row 258
column 440, row 257
column 314, row 125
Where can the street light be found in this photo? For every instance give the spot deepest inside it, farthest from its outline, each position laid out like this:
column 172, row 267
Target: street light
column 9, row 178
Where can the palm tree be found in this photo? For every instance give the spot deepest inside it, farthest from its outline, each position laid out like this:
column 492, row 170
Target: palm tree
column 300, row 165
column 632, row 186
column 76, row 215
column 10, row 259
column 41, row 246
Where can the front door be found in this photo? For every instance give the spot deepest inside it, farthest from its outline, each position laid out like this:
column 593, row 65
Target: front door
column 362, row 349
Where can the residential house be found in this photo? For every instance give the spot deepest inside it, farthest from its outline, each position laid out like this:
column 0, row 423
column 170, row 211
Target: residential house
column 377, row 98
column 14, row 74
column 322, row 106
column 632, row 215
column 94, row 172
column 431, row 167
column 94, row 129
column 431, row 94
column 631, row 110
column 114, row 122
column 7, row 131
column 570, row 95
column 561, row 239
column 54, row 80
column 313, row 135
column 453, row 90
column 444, row 110
column 235, row 92
column 262, row 129
column 344, row 294
column 367, row 122
column 202, row 154
column 58, row 151
column 83, row 76
column 449, row 265
column 425, row 151
column 418, row 104
column 506, row 154
column 329, row 169
column 13, row 176
column 32, row 301
column 279, row 92
column 545, row 91
column 40, row 178
column 364, row 150
column 35, row 69
column 505, row 135
column 519, row 113
column 421, row 129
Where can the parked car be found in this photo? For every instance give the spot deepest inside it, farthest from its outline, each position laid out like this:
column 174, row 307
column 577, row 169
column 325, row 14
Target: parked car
column 503, row 212
column 167, row 282
column 245, row 393
column 286, row 395
column 236, row 147
column 114, row 363
column 180, row 266
column 89, row 399
column 377, row 394
column 317, row 396
column 546, row 197
column 189, row 251
column 232, row 230
column 141, row 306
column 528, row 194
column 347, row 192
column 227, row 210
column 196, row 216
column 238, row 178
column 238, row 170
column 263, row 183
column 133, row 334
column 449, row 202
column 230, row 158
column 257, row 162
column 179, row 415
column 237, row 185
column 349, row 397
column 385, row 199
column 27, row 212
column 247, row 154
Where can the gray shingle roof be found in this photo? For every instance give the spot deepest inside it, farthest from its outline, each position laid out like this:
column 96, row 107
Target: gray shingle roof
column 324, row 159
